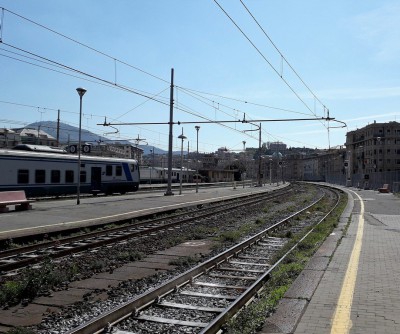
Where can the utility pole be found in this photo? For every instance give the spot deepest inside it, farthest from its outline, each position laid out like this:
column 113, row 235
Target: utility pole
column 171, row 120
column 58, row 128
column 197, row 158
column 259, row 159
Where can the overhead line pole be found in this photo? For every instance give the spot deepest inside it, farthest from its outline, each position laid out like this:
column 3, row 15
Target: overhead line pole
column 259, row 159
column 171, row 123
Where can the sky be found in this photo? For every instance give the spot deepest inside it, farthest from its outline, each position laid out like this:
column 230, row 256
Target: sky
column 272, row 62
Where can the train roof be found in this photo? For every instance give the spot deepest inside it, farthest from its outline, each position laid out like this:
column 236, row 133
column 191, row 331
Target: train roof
column 39, row 148
column 66, row 156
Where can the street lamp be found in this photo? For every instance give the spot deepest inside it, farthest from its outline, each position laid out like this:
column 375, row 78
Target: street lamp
column 245, row 162
column 152, row 162
column 182, row 137
column 81, row 92
column 197, row 159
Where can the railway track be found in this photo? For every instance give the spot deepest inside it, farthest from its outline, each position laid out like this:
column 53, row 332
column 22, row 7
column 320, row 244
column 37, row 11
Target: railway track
column 202, row 299
column 20, row 257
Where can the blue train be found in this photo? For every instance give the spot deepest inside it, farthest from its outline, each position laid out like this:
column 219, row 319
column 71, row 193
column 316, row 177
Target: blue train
column 51, row 174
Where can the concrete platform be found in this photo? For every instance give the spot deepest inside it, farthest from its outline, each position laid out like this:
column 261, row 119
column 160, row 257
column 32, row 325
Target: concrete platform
column 352, row 285
column 56, row 215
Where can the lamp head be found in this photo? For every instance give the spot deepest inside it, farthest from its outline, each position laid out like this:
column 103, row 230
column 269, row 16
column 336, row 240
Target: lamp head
column 81, row 91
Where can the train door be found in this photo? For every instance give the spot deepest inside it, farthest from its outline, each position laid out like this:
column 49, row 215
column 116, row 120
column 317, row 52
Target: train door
column 96, row 179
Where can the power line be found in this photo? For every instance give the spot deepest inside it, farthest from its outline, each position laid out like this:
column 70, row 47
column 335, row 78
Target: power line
column 282, row 56
column 262, row 55
column 84, row 73
column 81, row 44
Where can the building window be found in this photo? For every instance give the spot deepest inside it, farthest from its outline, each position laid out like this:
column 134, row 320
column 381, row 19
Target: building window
column 23, row 176
column 118, row 170
column 40, row 176
column 55, row 176
column 69, row 176
column 109, row 170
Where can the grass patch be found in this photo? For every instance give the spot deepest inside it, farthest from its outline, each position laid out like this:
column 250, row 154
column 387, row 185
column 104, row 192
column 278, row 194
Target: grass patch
column 235, row 235
column 129, row 255
column 184, row 261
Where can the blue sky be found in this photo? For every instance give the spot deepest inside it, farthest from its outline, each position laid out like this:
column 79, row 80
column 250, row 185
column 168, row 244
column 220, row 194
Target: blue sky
column 346, row 52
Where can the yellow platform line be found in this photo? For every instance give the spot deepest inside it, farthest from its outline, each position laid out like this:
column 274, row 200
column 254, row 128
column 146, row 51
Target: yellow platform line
column 341, row 322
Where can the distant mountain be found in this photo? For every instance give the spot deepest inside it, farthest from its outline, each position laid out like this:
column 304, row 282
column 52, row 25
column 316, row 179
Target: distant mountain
column 70, row 134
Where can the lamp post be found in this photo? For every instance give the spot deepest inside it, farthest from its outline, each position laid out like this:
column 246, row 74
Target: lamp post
column 182, row 137
column 81, row 92
column 151, row 152
column 245, row 162
column 197, row 159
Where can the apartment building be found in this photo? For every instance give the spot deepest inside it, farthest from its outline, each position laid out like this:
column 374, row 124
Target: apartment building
column 374, row 148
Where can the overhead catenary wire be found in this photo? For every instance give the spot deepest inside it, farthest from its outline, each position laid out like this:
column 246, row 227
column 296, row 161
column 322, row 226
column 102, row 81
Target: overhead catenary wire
column 281, row 54
column 81, row 44
column 198, row 93
column 69, row 68
column 264, row 57
column 114, row 59
column 108, row 83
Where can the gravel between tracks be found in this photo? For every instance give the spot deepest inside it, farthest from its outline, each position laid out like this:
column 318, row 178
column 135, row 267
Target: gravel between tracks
column 109, row 258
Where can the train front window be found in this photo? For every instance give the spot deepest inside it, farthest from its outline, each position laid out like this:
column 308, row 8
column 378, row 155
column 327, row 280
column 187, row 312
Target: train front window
column 40, row 176
column 69, row 176
column 23, row 176
column 118, row 170
column 109, row 170
column 55, row 176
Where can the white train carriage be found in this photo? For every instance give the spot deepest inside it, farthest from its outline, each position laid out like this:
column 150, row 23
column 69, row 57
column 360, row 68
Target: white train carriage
column 160, row 174
column 41, row 174
column 152, row 174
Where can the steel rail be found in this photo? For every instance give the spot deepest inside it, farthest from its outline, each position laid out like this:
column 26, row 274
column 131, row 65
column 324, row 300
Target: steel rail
column 257, row 286
column 132, row 307
column 226, row 205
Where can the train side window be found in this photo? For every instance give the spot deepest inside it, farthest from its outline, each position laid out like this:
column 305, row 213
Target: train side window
column 55, row 176
column 132, row 168
column 83, row 176
column 118, row 170
column 109, row 170
column 23, row 175
column 40, row 176
column 69, row 176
